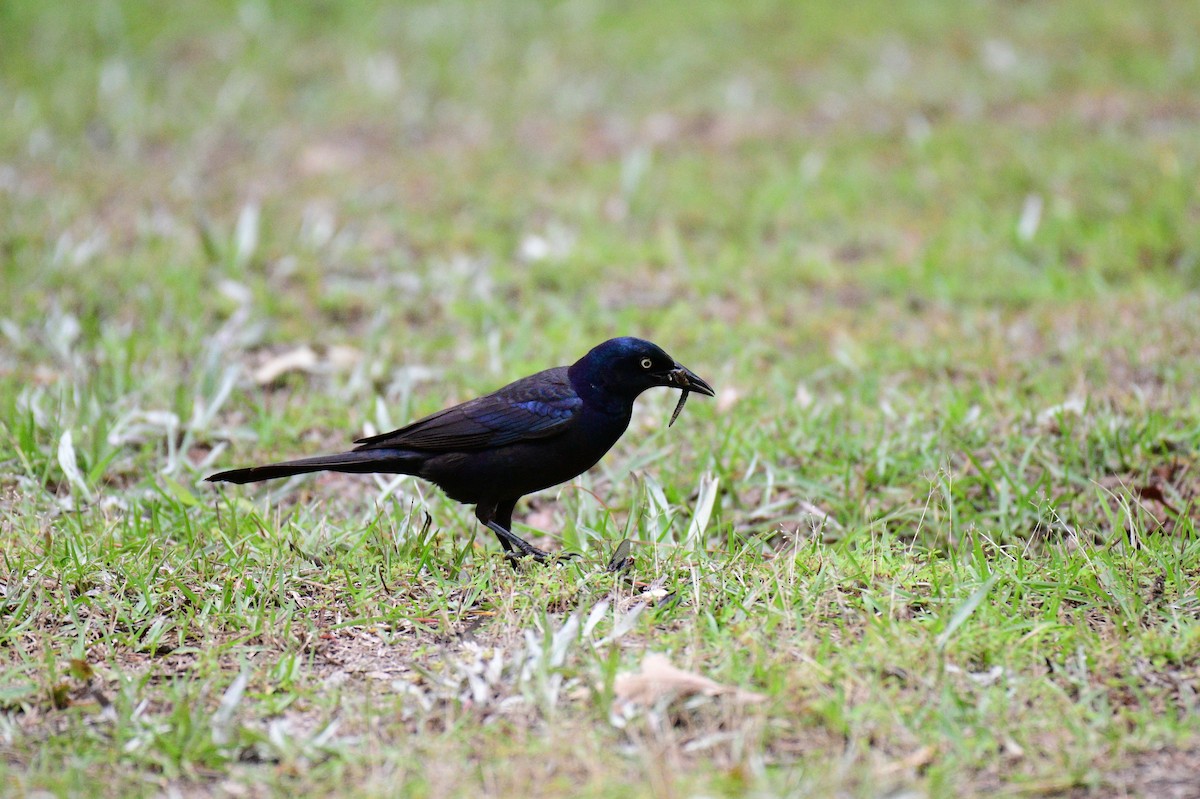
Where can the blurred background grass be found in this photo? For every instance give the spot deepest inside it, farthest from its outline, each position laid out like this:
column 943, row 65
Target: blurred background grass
column 745, row 170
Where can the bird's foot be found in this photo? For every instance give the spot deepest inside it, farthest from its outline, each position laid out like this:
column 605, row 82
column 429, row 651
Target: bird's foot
column 517, row 548
column 539, row 556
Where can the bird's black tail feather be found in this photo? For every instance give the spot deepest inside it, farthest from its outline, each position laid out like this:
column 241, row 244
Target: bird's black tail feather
column 359, row 462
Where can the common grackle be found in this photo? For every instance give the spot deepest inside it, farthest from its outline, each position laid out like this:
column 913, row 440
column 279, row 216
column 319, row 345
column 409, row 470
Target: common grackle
column 538, row 432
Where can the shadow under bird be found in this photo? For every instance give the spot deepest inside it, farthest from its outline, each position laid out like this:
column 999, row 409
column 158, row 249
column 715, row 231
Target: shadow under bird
column 535, row 433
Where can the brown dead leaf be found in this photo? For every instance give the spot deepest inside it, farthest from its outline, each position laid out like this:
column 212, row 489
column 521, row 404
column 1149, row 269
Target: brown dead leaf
column 301, row 359
column 1154, row 493
column 658, row 679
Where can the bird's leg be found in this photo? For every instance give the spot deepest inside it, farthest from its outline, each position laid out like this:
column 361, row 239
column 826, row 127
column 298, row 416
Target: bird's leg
column 498, row 519
column 520, row 547
column 503, row 518
column 486, row 514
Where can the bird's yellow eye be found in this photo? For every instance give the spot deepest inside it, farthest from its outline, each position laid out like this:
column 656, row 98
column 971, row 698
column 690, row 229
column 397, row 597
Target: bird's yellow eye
column 647, row 363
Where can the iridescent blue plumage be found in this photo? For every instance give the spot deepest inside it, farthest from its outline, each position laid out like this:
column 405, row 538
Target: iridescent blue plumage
column 533, row 407
column 531, row 434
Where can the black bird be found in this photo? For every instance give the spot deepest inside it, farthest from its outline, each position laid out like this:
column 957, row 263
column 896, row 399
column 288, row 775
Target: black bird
column 538, row 432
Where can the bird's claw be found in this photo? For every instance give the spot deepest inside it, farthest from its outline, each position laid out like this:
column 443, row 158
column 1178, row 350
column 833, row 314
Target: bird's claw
column 515, row 556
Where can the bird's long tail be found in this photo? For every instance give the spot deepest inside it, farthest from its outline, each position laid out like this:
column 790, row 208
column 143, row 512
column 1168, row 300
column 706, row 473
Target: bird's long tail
column 360, row 462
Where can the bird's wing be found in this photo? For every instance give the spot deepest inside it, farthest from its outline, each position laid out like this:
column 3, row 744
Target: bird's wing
column 534, row 407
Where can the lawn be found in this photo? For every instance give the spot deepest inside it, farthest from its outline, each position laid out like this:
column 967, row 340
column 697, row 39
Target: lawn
column 936, row 535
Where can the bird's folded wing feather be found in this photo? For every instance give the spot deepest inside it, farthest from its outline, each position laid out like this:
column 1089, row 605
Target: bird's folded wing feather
column 534, row 407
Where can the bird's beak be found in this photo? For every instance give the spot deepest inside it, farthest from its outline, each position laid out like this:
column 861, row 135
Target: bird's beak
column 685, row 378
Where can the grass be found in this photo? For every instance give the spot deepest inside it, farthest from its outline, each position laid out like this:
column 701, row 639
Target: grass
column 940, row 261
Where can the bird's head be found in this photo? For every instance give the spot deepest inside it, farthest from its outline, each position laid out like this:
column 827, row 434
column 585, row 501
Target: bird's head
column 628, row 366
